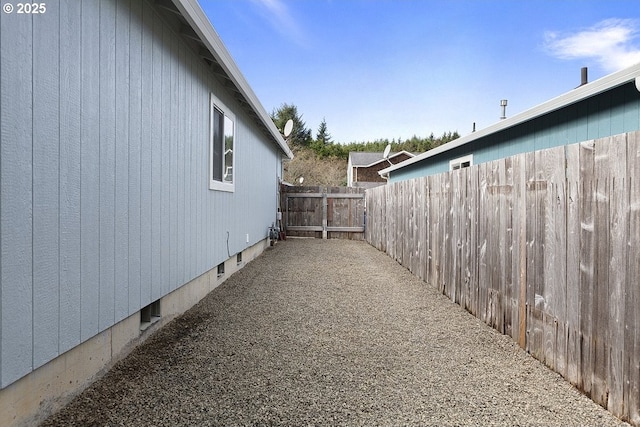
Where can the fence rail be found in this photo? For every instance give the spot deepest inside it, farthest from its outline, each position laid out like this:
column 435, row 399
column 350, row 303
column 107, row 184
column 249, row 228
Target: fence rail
column 544, row 247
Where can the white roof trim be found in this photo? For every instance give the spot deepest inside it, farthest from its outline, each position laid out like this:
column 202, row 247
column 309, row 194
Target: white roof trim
column 381, row 160
column 580, row 93
column 195, row 16
column 390, row 157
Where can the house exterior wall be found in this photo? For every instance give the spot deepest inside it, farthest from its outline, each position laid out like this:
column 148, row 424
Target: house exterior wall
column 609, row 113
column 104, row 198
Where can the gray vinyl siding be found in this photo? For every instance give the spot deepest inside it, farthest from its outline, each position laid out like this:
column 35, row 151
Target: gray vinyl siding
column 70, row 157
column 613, row 112
column 16, row 200
column 104, row 198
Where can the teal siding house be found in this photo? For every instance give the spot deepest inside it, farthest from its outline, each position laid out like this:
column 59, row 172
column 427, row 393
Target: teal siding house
column 604, row 107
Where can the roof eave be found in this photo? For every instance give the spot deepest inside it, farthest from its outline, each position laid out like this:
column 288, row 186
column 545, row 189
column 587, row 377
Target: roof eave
column 381, row 160
column 388, row 158
column 576, row 95
column 195, row 16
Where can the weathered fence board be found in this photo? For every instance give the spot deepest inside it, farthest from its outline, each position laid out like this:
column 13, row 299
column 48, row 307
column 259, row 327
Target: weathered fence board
column 554, row 163
column 572, row 284
column 474, row 211
column 631, row 355
column 520, row 246
column 484, row 244
column 600, row 317
column 534, row 197
column 618, row 217
column 586, row 295
column 331, row 212
column 543, row 246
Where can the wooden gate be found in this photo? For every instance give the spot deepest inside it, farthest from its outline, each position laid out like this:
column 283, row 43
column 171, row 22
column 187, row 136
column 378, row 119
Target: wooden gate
column 323, row 212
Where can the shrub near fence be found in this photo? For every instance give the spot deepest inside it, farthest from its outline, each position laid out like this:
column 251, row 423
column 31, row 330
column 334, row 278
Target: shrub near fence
column 542, row 246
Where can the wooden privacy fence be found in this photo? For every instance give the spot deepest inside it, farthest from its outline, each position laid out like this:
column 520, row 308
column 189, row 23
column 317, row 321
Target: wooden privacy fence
column 323, row 212
column 544, row 247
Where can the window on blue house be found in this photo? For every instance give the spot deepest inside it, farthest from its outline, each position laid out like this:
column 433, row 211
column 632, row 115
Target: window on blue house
column 221, row 146
column 461, row 162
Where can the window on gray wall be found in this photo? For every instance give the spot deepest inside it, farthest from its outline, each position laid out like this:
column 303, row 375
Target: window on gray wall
column 221, row 146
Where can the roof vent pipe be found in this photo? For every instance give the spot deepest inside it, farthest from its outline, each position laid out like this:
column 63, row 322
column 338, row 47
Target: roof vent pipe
column 584, row 76
column 503, row 104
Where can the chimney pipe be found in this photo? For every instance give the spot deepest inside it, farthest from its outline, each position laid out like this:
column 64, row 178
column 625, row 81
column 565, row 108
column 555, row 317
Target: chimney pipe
column 584, row 76
column 503, row 104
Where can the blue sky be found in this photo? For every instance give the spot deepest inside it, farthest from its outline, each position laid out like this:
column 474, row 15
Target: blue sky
column 393, row 69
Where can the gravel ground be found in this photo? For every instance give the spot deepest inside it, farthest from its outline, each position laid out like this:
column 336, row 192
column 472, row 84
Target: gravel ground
column 330, row 332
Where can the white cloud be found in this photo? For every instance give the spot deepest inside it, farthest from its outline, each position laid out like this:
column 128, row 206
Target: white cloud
column 613, row 43
column 279, row 16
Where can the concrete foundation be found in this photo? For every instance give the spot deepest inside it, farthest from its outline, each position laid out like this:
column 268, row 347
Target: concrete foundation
column 32, row 398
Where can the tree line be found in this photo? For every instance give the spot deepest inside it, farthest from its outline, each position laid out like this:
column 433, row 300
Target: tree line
column 324, row 146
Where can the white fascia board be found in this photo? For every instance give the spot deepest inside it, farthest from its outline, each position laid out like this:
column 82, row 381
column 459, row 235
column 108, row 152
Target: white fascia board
column 576, row 95
column 390, row 157
column 371, row 164
column 195, row 16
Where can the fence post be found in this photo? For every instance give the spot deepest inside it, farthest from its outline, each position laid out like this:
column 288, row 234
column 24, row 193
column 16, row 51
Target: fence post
column 324, row 214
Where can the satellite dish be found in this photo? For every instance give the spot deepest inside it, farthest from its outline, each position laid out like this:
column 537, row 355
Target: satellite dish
column 301, row 180
column 288, row 127
column 387, row 150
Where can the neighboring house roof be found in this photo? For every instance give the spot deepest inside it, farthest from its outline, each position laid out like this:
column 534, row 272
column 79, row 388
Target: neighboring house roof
column 576, row 95
column 361, row 159
column 214, row 52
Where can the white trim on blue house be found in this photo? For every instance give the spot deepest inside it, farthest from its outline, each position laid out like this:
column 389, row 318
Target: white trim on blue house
column 461, row 162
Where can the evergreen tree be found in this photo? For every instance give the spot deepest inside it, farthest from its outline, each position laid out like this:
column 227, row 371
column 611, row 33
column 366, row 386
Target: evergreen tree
column 300, row 135
column 323, row 137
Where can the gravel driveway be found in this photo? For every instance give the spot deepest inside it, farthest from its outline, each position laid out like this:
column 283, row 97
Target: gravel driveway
column 329, row 332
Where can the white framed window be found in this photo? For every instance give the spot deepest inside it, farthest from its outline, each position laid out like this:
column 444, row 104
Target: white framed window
column 461, row 162
column 222, row 142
